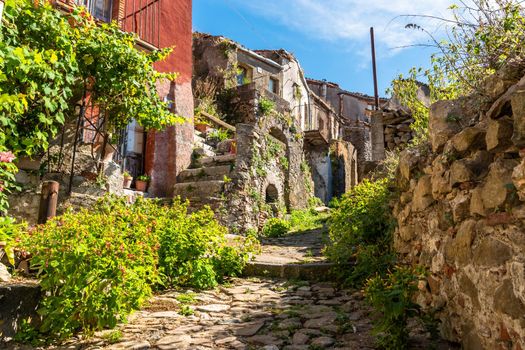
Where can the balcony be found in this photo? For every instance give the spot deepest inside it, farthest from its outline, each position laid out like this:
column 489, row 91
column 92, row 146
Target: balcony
column 142, row 17
column 138, row 16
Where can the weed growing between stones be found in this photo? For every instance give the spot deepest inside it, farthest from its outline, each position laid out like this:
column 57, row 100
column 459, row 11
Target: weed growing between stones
column 298, row 221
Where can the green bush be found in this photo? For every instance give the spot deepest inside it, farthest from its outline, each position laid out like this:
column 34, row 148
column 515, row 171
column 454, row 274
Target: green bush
column 392, row 297
column 307, row 219
column 97, row 266
column 194, row 250
column 361, row 231
column 276, row 227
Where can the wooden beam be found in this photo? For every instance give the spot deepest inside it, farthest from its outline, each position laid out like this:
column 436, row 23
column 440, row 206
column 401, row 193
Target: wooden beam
column 218, row 121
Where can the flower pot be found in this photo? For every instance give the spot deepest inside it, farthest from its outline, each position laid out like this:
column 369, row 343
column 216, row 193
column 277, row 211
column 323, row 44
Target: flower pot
column 202, row 127
column 127, row 182
column 141, row 185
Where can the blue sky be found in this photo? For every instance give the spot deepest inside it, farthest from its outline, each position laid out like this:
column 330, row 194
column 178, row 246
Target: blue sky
column 329, row 37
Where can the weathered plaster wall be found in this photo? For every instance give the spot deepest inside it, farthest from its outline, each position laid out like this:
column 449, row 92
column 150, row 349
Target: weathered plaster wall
column 168, row 152
column 461, row 214
column 344, row 166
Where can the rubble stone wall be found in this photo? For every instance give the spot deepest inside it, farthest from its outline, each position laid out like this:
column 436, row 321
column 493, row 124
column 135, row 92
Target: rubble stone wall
column 461, row 214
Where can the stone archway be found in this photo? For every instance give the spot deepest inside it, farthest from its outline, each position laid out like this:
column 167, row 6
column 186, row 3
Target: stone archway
column 271, row 194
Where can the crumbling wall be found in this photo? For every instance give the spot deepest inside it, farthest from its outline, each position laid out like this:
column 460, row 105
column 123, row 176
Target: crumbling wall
column 390, row 131
column 343, row 157
column 461, row 214
column 269, row 152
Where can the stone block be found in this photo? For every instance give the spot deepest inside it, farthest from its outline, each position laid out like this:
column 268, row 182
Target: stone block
column 505, row 301
column 470, row 289
column 460, row 206
column 518, row 115
column 443, row 123
column 423, row 194
column 499, row 133
column 459, row 248
column 496, row 188
column 518, row 179
column 476, row 202
column 491, row 253
column 460, row 172
column 469, row 139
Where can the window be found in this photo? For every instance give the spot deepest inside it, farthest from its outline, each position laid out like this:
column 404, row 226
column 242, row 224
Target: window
column 243, row 76
column 100, row 9
column 273, row 85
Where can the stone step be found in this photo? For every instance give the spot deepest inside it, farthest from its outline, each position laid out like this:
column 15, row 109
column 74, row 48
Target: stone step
column 204, row 174
column 199, row 189
column 315, row 271
column 214, row 161
column 200, row 152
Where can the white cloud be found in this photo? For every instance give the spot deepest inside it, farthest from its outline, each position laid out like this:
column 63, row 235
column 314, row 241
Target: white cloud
column 347, row 22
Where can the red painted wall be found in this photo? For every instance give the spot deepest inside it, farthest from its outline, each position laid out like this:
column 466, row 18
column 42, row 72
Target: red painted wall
column 168, row 152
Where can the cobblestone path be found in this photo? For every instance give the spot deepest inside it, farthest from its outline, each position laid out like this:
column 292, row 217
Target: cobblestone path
column 250, row 314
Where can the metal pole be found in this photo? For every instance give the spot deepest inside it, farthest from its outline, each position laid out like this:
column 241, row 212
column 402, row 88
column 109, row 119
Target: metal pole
column 48, row 201
column 376, row 93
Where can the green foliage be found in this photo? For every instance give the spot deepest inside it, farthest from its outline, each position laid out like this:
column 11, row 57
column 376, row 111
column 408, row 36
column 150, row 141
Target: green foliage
column 9, row 230
column 306, row 220
column 7, row 178
column 392, row 298
column 113, row 336
column 47, row 57
column 266, row 106
column 194, row 250
column 361, row 230
column 97, row 266
column 276, row 227
column 144, row 178
column 219, row 135
column 482, row 38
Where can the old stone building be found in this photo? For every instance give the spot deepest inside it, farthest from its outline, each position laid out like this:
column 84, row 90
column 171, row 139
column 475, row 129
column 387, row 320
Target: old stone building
column 236, row 84
column 353, row 110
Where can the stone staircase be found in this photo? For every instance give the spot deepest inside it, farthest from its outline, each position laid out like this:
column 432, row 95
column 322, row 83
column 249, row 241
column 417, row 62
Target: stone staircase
column 203, row 183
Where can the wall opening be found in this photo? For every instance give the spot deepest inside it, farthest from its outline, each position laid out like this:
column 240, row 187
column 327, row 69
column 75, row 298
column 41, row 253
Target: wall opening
column 272, row 195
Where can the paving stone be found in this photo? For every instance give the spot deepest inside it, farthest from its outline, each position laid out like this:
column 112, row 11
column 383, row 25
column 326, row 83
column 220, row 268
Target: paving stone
column 264, row 340
column 249, row 329
column 213, row 308
column 323, row 341
column 300, row 338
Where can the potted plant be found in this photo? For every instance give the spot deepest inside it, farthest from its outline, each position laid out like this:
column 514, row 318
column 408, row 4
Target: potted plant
column 127, row 180
column 201, row 125
column 142, row 183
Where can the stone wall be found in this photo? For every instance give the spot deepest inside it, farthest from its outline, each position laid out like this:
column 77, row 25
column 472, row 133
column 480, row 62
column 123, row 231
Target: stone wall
column 390, row 131
column 461, row 214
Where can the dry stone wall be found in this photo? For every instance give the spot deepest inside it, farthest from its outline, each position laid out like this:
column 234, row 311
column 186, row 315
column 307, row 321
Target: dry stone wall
column 461, row 214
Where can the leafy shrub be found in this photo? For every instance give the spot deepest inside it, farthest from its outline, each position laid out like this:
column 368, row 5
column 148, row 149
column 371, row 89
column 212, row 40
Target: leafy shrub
column 361, row 230
column 97, row 266
column 266, row 106
column 219, row 135
column 307, row 219
column 9, row 230
column 194, row 250
column 392, row 297
column 276, row 227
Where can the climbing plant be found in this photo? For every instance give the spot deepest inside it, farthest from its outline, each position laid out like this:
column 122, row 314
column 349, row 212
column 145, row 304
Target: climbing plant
column 47, row 58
